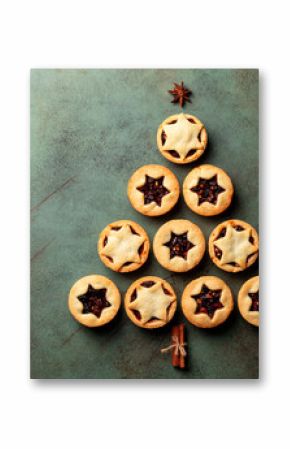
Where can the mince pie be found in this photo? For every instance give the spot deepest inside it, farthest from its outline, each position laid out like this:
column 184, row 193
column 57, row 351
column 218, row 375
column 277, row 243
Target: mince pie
column 182, row 138
column 179, row 245
column 234, row 245
column 208, row 190
column 123, row 246
column 207, row 301
column 248, row 301
column 94, row 300
column 150, row 302
column 153, row 190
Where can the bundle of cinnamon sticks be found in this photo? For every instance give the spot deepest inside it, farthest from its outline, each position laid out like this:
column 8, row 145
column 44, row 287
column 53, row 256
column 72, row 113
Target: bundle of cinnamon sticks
column 178, row 354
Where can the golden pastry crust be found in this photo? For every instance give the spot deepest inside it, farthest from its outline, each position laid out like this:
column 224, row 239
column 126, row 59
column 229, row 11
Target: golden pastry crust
column 182, row 138
column 223, row 298
column 150, row 302
column 194, row 241
column 81, row 287
column 167, row 185
column 234, row 245
column 245, row 301
column 123, row 246
column 208, row 202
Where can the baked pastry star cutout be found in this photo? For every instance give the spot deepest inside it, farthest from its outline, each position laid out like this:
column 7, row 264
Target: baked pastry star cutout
column 235, row 246
column 152, row 302
column 123, row 245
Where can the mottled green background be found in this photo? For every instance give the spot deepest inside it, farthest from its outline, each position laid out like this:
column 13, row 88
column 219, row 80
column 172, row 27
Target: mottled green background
column 90, row 129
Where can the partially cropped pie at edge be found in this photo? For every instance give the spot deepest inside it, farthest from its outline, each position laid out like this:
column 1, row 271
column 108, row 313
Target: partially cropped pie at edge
column 123, row 246
column 234, row 245
column 94, row 300
column 248, row 301
column 207, row 301
column 181, row 138
column 150, row 302
column 179, row 245
column 208, row 190
column 153, row 190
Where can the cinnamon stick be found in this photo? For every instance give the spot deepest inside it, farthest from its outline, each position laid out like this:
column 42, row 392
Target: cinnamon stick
column 175, row 354
column 181, row 341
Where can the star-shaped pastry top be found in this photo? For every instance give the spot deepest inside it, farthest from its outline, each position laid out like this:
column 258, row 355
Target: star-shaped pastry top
column 208, row 301
column 153, row 190
column 94, row 300
column 207, row 190
column 182, row 136
column 179, row 245
column 151, row 302
column 255, row 301
column 122, row 246
column 235, row 246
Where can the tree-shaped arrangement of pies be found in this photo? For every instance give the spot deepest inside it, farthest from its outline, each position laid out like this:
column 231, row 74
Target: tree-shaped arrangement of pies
column 179, row 245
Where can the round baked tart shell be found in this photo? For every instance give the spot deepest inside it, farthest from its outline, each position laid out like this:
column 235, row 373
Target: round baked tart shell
column 215, row 235
column 162, row 252
column 197, row 154
column 80, row 288
column 206, row 208
column 152, row 323
column 245, row 302
column 136, row 197
column 189, row 304
column 145, row 246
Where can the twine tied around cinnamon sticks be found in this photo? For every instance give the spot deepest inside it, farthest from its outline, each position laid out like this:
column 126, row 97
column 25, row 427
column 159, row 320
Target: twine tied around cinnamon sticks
column 177, row 346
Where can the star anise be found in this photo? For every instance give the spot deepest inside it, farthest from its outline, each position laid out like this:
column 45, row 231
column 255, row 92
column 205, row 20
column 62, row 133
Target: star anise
column 180, row 94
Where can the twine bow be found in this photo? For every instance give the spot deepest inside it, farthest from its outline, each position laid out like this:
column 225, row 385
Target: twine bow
column 178, row 347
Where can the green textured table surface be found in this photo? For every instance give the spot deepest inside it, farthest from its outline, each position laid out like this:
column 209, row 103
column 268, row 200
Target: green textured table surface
column 90, row 129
